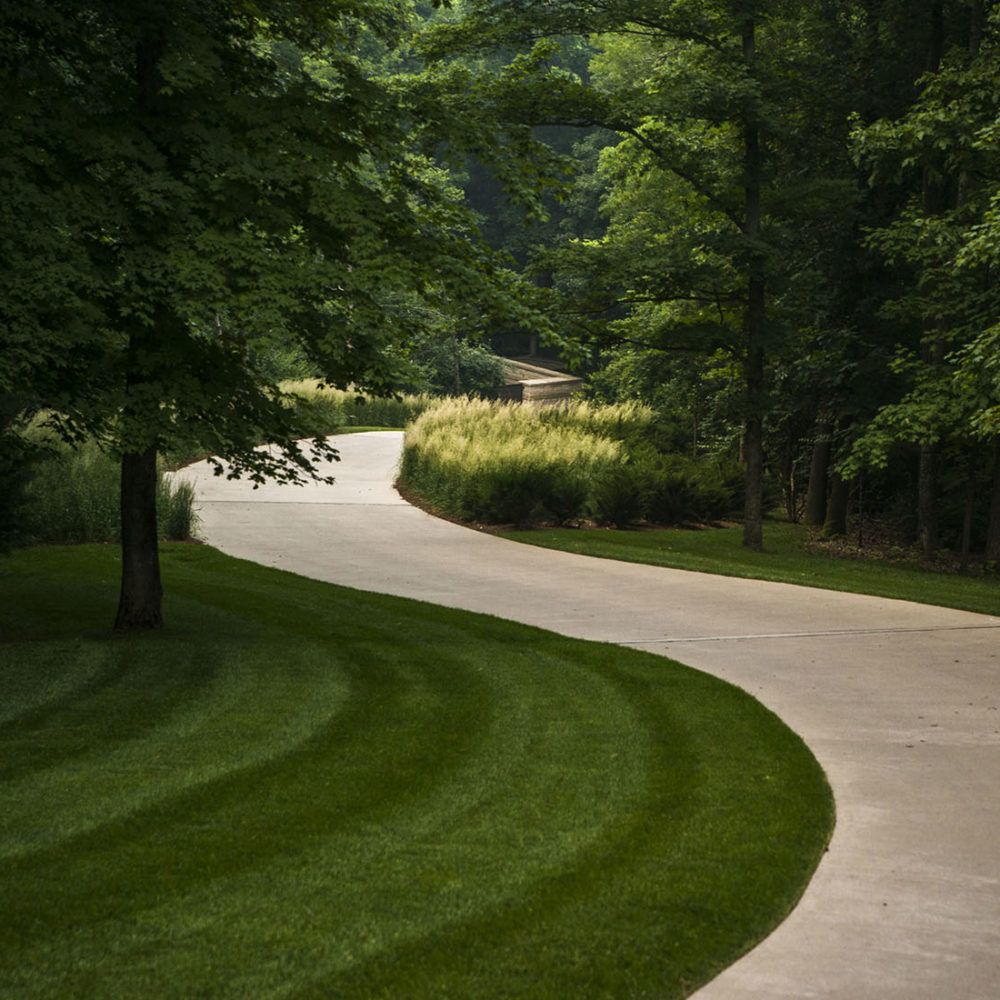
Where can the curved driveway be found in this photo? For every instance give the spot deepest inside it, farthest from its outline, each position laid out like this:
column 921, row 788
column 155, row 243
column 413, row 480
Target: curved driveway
column 898, row 701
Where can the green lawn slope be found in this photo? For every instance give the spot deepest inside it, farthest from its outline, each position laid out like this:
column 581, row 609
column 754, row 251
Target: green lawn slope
column 300, row 790
column 785, row 559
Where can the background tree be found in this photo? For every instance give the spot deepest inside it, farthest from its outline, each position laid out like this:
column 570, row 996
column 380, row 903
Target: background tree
column 944, row 149
column 716, row 169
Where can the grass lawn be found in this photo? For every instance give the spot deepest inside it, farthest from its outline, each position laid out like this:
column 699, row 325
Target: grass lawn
column 301, row 790
column 785, row 559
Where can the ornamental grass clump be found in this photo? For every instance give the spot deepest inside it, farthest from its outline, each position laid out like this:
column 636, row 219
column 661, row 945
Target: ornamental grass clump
column 630, row 422
column 504, row 463
column 73, row 496
column 507, row 463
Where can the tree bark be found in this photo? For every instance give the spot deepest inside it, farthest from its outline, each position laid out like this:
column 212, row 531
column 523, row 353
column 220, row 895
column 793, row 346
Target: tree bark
column 141, row 597
column 977, row 18
column 755, row 318
column 456, row 367
column 992, row 553
column 836, row 509
column 789, row 481
column 967, row 515
column 933, row 196
column 926, row 500
column 815, row 512
column 966, row 184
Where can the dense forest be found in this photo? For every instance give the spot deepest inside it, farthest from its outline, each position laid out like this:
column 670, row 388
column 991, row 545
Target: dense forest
column 777, row 224
column 781, row 232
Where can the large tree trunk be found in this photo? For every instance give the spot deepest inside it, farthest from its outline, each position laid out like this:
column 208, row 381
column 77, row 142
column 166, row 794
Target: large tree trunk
column 141, row 596
column 140, row 601
column 815, row 512
column 836, row 509
column 755, row 318
column 992, row 553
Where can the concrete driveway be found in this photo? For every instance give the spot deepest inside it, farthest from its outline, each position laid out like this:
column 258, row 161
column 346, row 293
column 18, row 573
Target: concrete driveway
column 898, row 701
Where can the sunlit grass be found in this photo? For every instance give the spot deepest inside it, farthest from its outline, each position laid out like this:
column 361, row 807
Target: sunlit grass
column 497, row 462
column 786, row 559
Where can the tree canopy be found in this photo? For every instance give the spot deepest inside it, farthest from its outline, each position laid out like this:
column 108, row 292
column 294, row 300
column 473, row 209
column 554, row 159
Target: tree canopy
column 797, row 203
column 185, row 184
column 778, row 222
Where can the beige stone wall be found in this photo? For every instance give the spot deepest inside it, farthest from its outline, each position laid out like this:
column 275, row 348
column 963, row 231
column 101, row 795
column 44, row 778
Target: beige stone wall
column 546, row 391
column 538, row 386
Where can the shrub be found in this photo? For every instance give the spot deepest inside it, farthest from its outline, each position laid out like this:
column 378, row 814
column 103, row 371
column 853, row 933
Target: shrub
column 175, row 514
column 630, row 423
column 672, row 491
column 16, row 457
column 283, row 361
column 567, row 489
column 319, row 414
column 691, row 490
column 456, row 367
column 721, row 489
column 620, row 494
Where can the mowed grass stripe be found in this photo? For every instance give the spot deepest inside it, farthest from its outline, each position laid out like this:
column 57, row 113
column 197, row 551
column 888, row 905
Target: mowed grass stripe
column 289, row 782
column 508, row 839
column 271, row 806
column 71, row 672
column 216, row 732
column 61, row 730
column 482, row 809
column 660, row 865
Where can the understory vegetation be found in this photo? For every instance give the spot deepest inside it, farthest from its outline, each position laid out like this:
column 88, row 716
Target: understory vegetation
column 73, row 495
column 500, row 463
column 55, row 493
column 301, row 789
column 321, row 410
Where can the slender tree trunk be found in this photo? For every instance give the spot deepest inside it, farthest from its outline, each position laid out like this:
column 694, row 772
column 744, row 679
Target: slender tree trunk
column 815, row 513
column 967, row 514
column 861, row 510
column 456, row 367
column 753, row 523
column 933, row 197
column 926, row 500
column 790, row 485
column 966, row 186
column 992, row 553
column 836, row 509
column 140, row 601
column 755, row 319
